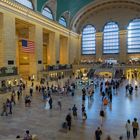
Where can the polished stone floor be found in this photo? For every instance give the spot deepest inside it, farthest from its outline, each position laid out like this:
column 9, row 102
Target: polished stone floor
column 46, row 124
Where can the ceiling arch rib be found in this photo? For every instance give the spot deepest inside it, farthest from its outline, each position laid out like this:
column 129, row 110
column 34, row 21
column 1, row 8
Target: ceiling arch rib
column 73, row 6
column 96, row 6
column 40, row 4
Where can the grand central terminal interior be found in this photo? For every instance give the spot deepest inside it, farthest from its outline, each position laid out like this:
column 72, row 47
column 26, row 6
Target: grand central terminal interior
column 69, row 69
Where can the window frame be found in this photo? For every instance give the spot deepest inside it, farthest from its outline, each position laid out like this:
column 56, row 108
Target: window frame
column 32, row 8
column 134, row 52
column 89, row 40
column 116, row 23
column 46, row 11
column 62, row 17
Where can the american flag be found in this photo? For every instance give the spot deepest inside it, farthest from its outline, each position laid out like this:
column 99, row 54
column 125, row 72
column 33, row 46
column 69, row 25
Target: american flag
column 28, row 46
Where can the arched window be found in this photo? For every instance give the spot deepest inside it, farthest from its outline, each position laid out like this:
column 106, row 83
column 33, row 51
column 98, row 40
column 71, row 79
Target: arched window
column 26, row 3
column 133, row 38
column 62, row 21
column 89, row 40
column 111, row 38
column 47, row 13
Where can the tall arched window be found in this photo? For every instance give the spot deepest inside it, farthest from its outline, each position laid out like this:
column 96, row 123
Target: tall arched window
column 89, row 40
column 47, row 13
column 27, row 3
column 62, row 21
column 111, row 38
column 133, row 39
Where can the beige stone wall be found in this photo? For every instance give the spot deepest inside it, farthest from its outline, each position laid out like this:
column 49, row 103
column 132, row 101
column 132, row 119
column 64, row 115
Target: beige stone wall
column 74, row 48
column 39, row 47
column 98, row 46
column 9, row 39
column 17, row 23
column 64, row 52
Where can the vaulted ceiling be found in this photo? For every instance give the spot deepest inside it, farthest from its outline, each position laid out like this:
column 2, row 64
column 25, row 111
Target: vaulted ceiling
column 72, row 6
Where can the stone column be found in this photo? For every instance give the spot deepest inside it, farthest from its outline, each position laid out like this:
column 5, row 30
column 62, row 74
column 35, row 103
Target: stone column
column 68, row 50
column 57, row 46
column 1, row 42
column 53, row 48
column 79, row 51
column 39, row 47
column 32, row 56
column 9, row 39
column 123, row 46
column 99, row 44
column 74, row 49
column 64, row 50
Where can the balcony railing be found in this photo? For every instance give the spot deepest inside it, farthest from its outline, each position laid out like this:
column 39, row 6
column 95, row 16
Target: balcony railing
column 8, row 71
column 58, row 67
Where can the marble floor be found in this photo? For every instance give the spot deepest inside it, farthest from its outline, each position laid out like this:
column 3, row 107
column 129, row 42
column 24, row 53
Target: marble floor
column 46, row 124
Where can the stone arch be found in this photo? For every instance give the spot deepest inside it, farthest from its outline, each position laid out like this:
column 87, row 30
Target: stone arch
column 95, row 10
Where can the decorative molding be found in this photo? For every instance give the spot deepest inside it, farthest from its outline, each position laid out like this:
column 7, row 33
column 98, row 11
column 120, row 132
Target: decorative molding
column 99, row 34
column 97, row 6
column 31, row 15
column 123, row 32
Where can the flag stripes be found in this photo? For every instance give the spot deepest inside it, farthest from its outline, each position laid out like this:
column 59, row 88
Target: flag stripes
column 28, row 46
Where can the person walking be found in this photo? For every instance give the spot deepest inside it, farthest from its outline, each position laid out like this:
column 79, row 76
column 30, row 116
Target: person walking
column 110, row 97
column 74, row 109
column 10, row 107
column 31, row 91
column 27, row 136
column 13, row 98
column 18, row 94
column 83, row 109
column 102, row 115
column 4, row 109
column 84, row 117
column 98, row 133
column 135, row 126
column 128, row 129
column 68, row 119
column 50, row 102
column 59, row 103
column 83, row 94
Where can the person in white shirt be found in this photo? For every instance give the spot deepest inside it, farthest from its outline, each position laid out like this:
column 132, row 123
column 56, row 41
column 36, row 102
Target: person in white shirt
column 128, row 129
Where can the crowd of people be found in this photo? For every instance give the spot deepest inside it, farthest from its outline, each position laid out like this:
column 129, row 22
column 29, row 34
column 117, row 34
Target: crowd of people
column 107, row 89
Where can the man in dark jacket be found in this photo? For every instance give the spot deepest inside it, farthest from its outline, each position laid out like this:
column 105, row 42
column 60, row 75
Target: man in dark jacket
column 50, row 102
column 68, row 119
column 98, row 134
